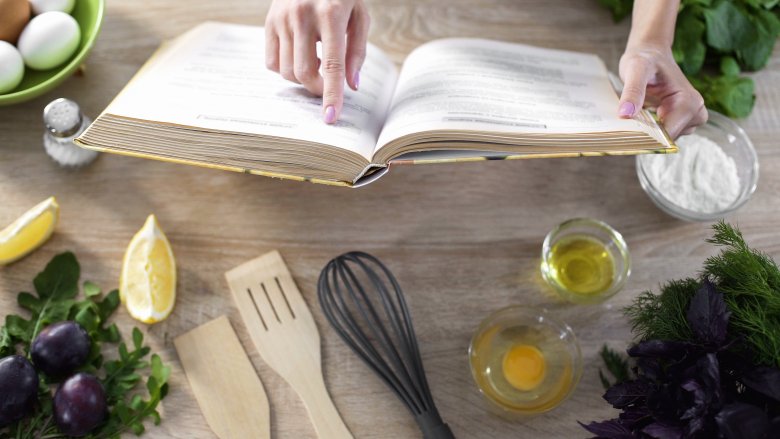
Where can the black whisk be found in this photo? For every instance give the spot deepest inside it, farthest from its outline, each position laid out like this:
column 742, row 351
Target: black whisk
column 365, row 305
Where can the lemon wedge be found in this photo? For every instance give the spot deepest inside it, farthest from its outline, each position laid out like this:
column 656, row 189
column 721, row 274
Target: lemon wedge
column 29, row 231
column 148, row 282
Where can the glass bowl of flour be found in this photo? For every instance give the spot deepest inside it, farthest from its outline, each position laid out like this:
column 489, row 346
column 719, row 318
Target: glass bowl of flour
column 714, row 173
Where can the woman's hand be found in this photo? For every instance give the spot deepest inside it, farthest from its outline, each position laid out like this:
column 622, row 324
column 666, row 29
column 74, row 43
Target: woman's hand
column 292, row 30
column 652, row 78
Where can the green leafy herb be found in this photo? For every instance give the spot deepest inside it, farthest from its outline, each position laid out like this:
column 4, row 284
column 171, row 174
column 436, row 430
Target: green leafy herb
column 6, row 343
column 729, row 66
column 729, row 94
column 616, row 364
column 56, row 300
column 734, row 35
column 697, row 388
column 688, row 48
column 728, row 27
column 620, row 8
column 756, row 52
column 121, row 378
column 750, row 283
column 672, row 303
column 57, row 285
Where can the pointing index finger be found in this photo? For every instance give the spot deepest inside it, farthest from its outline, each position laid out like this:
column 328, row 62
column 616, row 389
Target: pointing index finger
column 333, row 32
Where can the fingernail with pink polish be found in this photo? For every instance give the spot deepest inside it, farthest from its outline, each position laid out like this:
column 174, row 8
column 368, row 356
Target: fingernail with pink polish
column 330, row 114
column 626, row 109
column 356, row 79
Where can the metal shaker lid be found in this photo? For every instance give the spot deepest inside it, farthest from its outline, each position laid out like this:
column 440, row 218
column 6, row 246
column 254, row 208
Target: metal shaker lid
column 62, row 117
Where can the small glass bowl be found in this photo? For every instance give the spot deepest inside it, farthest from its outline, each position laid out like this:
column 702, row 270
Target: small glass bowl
column 736, row 144
column 600, row 231
column 514, row 325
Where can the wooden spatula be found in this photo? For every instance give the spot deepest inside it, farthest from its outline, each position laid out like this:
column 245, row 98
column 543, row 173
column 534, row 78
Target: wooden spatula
column 227, row 388
column 283, row 330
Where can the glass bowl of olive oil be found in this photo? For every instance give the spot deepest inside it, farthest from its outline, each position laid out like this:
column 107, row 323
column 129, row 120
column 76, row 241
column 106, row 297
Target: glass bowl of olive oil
column 585, row 260
column 524, row 361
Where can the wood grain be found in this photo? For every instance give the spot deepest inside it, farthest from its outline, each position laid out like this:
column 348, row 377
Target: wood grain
column 463, row 240
column 229, row 393
column 283, row 330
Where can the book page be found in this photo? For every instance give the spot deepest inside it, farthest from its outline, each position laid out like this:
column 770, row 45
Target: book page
column 490, row 86
column 214, row 78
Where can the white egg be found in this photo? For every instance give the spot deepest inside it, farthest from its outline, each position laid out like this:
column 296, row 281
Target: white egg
column 41, row 6
column 49, row 40
column 11, row 67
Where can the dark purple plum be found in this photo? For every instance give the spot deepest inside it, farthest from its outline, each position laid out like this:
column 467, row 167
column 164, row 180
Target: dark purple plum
column 18, row 389
column 80, row 404
column 60, row 349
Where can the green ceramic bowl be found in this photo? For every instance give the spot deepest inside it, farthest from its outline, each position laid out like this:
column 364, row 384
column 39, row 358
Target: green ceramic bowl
column 89, row 15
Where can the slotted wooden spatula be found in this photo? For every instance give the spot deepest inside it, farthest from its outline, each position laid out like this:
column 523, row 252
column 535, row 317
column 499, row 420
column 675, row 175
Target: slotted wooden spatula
column 227, row 388
column 284, row 332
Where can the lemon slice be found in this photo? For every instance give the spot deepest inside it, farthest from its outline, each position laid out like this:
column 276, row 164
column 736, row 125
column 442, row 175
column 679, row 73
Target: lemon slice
column 29, row 231
column 148, row 282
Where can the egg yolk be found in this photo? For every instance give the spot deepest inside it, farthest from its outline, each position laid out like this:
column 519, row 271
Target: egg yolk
column 524, row 367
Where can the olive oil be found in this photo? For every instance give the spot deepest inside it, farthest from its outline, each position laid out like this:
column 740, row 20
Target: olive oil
column 582, row 265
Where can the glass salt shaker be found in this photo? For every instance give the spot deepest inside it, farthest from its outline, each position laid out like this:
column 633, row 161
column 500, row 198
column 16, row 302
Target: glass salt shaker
column 64, row 122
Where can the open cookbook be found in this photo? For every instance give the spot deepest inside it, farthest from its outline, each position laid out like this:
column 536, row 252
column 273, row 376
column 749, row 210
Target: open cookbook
column 207, row 99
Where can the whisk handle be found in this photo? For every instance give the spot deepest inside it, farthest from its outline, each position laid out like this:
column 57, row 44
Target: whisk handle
column 441, row 432
column 433, row 427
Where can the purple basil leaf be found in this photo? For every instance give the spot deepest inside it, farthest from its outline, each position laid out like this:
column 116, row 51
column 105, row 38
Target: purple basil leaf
column 695, row 388
column 682, row 370
column 660, row 430
column 739, row 420
column 649, row 368
column 708, row 315
column 705, row 393
column 694, row 426
column 628, row 392
column 699, row 399
column 710, row 376
column 633, row 417
column 665, row 404
column 611, row 429
column 661, row 349
column 774, row 429
column 695, row 415
column 765, row 380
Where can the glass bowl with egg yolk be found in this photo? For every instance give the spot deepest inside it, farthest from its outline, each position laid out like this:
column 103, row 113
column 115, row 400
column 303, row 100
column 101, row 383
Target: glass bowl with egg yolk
column 524, row 361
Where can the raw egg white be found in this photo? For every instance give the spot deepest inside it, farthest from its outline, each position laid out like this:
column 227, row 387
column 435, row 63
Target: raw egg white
column 49, row 40
column 11, row 67
column 41, row 6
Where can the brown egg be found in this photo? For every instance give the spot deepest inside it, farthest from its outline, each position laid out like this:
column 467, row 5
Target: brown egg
column 14, row 16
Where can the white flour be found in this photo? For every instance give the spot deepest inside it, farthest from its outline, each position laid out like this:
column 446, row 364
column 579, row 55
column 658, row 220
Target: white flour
column 701, row 177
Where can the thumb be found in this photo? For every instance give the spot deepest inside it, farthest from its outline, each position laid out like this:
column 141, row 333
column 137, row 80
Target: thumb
column 636, row 72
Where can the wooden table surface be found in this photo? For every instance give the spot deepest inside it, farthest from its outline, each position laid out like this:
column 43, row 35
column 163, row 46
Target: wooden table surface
column 463, row 239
